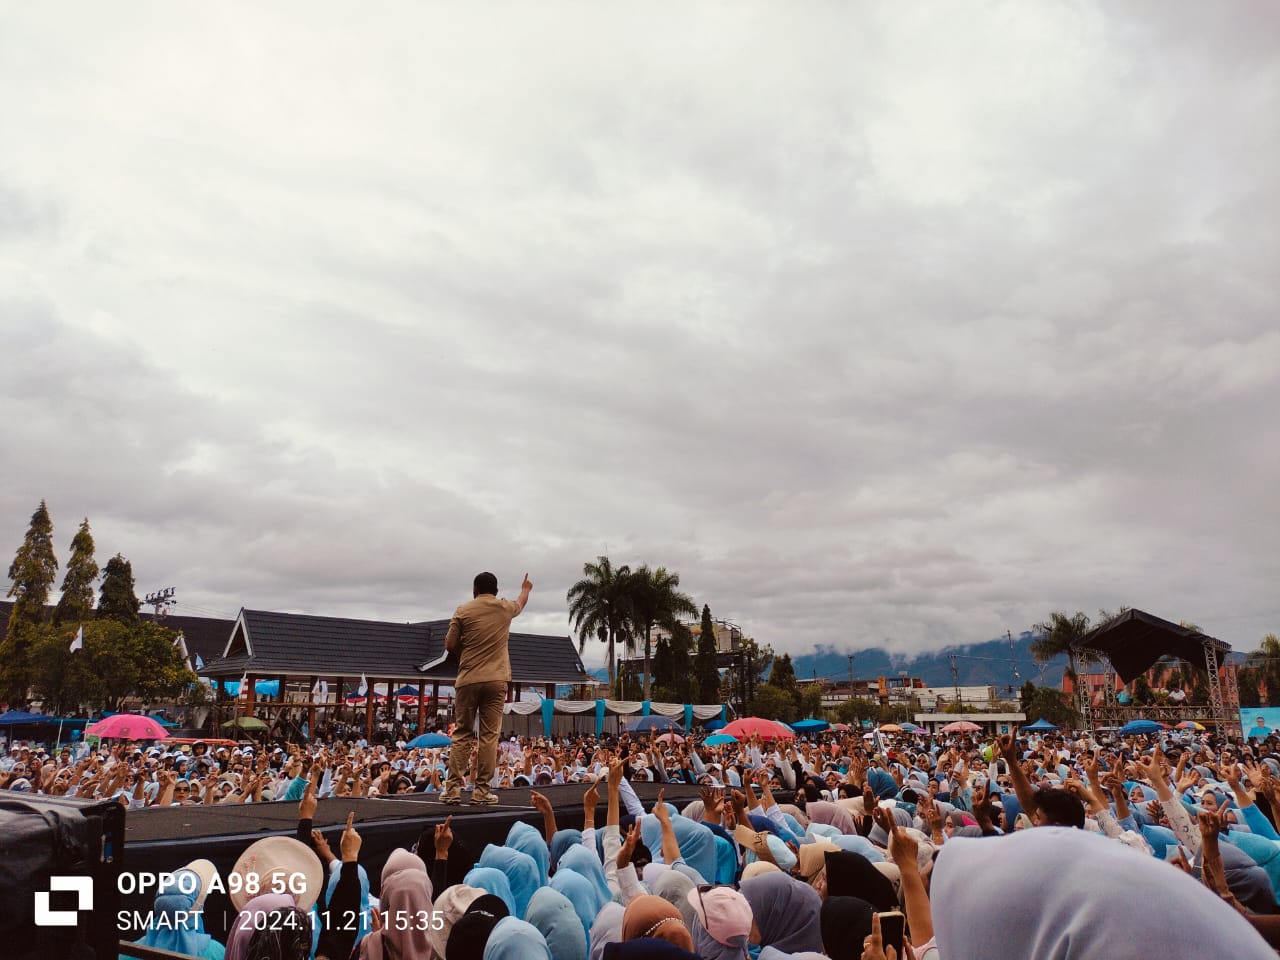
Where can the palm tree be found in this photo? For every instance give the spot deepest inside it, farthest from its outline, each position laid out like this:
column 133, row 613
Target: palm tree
column 1056, row 635
column 655, row 600
column 599, row 606
column 1265, row 661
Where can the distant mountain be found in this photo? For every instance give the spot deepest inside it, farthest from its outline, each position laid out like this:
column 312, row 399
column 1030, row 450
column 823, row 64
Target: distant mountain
column 980, row 664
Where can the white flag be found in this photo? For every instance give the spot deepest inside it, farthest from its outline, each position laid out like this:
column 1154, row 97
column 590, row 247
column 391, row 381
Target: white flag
column 244, row 686
column 78, row 642
column 364, row 685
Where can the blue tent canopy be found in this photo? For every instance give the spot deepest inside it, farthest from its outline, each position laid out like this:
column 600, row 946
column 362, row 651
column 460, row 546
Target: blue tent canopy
column 1140, row 726
column 1041, row 724
column 408, row 690
column 261, row 688
column 810, row 726
column 16, row 717
column 654, row 722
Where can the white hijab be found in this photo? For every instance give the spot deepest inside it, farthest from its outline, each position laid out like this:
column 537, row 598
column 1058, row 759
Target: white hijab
column 1055, row 893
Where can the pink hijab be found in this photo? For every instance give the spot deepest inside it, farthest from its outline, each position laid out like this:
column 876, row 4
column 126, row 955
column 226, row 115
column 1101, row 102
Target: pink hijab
column 824, row 811
column 405, row 897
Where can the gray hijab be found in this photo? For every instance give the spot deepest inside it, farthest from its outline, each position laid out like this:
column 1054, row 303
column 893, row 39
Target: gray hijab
column 607, row 929
column 674, row 887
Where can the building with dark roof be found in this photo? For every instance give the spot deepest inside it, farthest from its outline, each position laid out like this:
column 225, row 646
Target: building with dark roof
column 301, row 650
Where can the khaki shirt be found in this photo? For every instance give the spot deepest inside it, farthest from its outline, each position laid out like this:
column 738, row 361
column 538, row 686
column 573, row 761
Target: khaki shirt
column 481, row 627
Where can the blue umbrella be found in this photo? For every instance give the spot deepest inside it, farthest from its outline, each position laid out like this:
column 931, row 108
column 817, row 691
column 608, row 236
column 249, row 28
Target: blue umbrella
column 1043, row 724
column 810, row 726
column 715, row 724
column 1140, row 726
column 655, row 722
column 429, row 740
column 719, row 739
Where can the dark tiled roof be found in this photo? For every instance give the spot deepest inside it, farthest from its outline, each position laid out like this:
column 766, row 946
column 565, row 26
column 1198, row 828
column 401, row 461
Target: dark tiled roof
column 304, row 645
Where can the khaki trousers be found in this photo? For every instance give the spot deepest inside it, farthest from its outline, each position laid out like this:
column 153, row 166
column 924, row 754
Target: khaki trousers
column 484, row 699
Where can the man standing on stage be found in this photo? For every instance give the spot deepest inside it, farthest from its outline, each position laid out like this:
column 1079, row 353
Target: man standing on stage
column 478, row 632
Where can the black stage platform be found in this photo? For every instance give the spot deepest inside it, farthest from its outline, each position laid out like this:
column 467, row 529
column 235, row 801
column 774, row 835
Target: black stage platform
column 164, row 840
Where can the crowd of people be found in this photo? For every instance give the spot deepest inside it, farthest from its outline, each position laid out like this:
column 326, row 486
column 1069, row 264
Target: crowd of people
column 833, row 845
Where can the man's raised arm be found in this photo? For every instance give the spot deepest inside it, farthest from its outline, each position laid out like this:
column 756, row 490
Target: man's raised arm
column 525, row 588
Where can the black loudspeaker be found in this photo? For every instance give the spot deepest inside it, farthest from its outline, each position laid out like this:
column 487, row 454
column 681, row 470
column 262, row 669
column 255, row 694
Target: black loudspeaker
column 56, row 856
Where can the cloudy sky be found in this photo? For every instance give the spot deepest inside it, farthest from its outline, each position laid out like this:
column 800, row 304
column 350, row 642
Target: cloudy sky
column 880, row 323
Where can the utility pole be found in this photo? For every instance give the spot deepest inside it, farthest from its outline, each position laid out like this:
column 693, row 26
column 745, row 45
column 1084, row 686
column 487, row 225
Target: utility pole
column 159, row 601
column 955, row 676
column 851, row 676
column 1013, row 664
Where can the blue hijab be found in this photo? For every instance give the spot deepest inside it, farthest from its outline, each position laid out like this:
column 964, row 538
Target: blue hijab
column 882, row 784
column 580, row 892
column 521, row 870
column 527, row 839
column 493, row 881
column 335, row 872
column 557, row 921
column 581, row 861
column 181, row 930
column 1265, row 853
column 514, row 939
column 561, row 841
column 726, row 861
column 697, row 842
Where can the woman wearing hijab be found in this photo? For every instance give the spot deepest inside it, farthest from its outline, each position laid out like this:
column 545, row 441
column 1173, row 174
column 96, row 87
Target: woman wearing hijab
column 579, row 891
column 521, row 871
column 853, row 875
column 562, row 841
column 582, row 861
column 175, row 923
column 845, row 923
column 606, row 929
column 557, row 921
column 405, row 895
column 1062, row 893
column 722, row 923
column 528, row 840
column 784, row 911
column 491, row 881
column 514, row 939
column 253, row 915
column 450, row 906
column 651, row 917
column 365, row 908
column 675, row 888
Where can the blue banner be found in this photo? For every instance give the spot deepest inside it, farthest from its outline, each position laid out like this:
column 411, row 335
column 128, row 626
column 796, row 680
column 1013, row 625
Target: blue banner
column 599, row 717
column 548, row 711
column 688, row 717
column 644, row 708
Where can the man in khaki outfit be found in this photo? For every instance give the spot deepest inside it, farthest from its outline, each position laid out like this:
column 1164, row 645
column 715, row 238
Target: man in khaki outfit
column 479, row 630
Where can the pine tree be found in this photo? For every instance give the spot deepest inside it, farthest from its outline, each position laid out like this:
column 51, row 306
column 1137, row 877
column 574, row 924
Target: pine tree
column 32, row 574
column 76, row 604
column 33, row 570
column 705, row 669
column 116, row 599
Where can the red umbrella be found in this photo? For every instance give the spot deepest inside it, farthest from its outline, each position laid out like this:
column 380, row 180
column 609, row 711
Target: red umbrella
column 745, row 727
column 127, row 726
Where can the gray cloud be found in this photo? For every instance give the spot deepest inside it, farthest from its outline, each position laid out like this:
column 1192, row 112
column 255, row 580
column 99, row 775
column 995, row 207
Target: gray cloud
column 878, row 326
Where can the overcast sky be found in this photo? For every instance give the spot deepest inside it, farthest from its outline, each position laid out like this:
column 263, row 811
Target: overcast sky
column 897, row 324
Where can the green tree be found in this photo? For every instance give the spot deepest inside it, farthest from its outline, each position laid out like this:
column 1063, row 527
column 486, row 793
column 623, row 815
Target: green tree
column 1056, row 636
column 33, row 570
column 116, row 599
column 705, row 665
column 31, row 574
column 809, row 701
column 654, row 599
column 773, row 703
column 784, row 674
column 1053, row 706
column 1265, row 663
column 76, row 603
column 1025, row 694
column 857, row 709
column 598, row 607
column 1247, row 687
column 754, row 663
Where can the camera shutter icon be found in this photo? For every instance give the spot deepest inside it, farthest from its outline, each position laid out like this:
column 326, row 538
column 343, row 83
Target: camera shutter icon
column 83, row 887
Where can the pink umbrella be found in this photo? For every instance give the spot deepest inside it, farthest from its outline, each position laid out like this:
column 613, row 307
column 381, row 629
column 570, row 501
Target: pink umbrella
column 745, row 727
column 671, row 738
column 127, row 726
column 961, row 726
